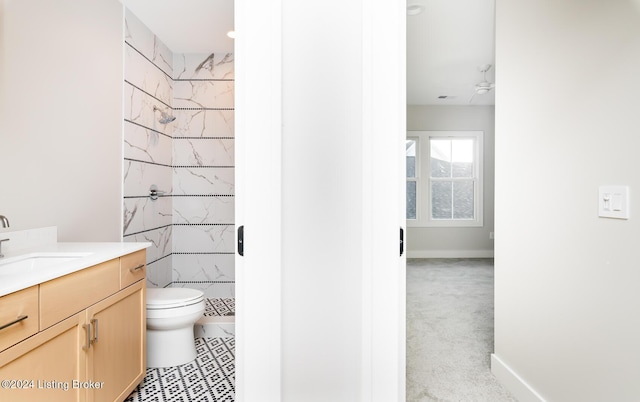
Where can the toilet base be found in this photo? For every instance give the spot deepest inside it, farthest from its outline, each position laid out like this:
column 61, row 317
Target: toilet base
column 170, row 348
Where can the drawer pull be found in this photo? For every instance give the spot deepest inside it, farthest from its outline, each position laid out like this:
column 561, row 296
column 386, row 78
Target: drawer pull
column 17, row 320
column 139, row 267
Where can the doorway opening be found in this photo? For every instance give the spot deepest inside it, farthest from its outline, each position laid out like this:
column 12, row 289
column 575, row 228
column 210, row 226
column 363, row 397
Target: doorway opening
column 450, row 88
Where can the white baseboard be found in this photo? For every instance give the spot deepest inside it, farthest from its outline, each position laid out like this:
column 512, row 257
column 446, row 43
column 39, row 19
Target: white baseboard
column 513, row 382
column 449, row 253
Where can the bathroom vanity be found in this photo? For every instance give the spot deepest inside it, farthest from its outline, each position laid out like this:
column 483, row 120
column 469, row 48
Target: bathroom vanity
column 75, row 330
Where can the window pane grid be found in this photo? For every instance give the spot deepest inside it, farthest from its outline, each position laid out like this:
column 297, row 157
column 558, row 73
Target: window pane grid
column 412, row 169
column 412, row 158
column 444, row 178
column 452, row 176
column 412, row 205
column 453, row 200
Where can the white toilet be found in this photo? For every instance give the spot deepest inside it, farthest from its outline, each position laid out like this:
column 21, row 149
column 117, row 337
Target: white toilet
column 171, row 313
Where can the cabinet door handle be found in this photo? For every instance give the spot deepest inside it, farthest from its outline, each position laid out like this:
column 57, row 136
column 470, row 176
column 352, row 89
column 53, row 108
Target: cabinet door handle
column 95, row 330
column 87, row 328
column 139, row 267
column 17, row 320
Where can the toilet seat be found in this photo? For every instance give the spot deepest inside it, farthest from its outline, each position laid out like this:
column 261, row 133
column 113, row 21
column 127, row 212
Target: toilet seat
column 167, row 298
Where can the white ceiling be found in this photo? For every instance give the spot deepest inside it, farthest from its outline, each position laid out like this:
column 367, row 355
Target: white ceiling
column 445, row 44
column 187, row 26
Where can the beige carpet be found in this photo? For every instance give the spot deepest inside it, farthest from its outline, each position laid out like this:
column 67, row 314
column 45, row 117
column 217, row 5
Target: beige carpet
column 450, row 331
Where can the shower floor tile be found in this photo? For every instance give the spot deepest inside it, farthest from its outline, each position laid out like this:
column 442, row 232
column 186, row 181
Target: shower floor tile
column 209, row 378
column 219, row 306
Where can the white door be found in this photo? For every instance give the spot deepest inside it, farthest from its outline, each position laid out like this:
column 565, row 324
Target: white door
column 257, row 208
column 271, row 340
column 384, row 56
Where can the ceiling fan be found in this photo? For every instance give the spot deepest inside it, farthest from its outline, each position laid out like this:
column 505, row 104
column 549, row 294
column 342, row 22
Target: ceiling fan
column 483, row 86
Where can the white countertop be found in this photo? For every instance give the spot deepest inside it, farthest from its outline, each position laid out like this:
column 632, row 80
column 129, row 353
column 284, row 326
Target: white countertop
column 96, row 254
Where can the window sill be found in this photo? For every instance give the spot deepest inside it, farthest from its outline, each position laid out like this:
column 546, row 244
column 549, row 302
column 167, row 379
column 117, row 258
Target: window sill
column 444, row 224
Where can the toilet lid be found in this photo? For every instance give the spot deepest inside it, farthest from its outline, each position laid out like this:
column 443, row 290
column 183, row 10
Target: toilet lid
column 172, row 297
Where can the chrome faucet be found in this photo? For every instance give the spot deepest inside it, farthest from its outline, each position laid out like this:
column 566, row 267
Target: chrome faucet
column 2, row 241
column 5, row 224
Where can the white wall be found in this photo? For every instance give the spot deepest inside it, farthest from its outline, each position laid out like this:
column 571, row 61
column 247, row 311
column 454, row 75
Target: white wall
column 456, row 242
column 567, row 121
column 60, row 122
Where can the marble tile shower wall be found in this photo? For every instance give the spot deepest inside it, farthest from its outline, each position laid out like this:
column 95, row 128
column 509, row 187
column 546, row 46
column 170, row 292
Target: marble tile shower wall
column 191, row 226
column 203, row 173
column 148, row 147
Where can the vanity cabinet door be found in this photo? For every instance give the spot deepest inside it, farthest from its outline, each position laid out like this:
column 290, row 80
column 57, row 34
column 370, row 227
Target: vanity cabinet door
column 47, row 366
column 117, row 357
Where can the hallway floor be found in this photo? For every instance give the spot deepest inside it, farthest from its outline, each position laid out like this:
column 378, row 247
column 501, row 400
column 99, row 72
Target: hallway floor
column 450, row 331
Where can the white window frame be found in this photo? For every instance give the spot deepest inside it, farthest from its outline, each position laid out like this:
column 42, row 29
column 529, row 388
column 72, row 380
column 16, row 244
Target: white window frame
column 423, row 179
column 416, row 179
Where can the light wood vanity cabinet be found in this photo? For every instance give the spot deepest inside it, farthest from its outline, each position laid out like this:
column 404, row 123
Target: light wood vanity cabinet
column 61, row 297
column 133, row 267
column 91, row 344
column 18, row 316
column 44, row 366
column 118, row 352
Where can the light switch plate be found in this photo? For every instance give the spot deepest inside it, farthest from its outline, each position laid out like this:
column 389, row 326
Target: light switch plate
column 613, row 202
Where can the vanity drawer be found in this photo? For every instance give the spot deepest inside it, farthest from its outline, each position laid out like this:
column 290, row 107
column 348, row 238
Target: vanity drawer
column 13, row 307
column 62, row 297
column 132, row 268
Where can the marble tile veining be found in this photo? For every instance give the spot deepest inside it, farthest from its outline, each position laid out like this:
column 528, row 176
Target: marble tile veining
column 138, row 108
column 141, row 214
column 203, row 267
column 144, row 144
column 203, row 210
column 203, row 238
column 160, row 239
column 218, row 66
column 203, row 94
column 159, row 273
column 203, row 152
column 147, row 76
column 142, row 39
column 204, row 123
column 139, row 176
column 201, row 181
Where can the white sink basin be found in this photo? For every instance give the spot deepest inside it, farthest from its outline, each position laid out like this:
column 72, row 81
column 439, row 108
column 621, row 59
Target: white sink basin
column 36, row 261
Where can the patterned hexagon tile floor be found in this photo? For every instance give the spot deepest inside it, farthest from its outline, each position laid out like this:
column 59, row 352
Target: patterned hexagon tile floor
column 209, row 378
